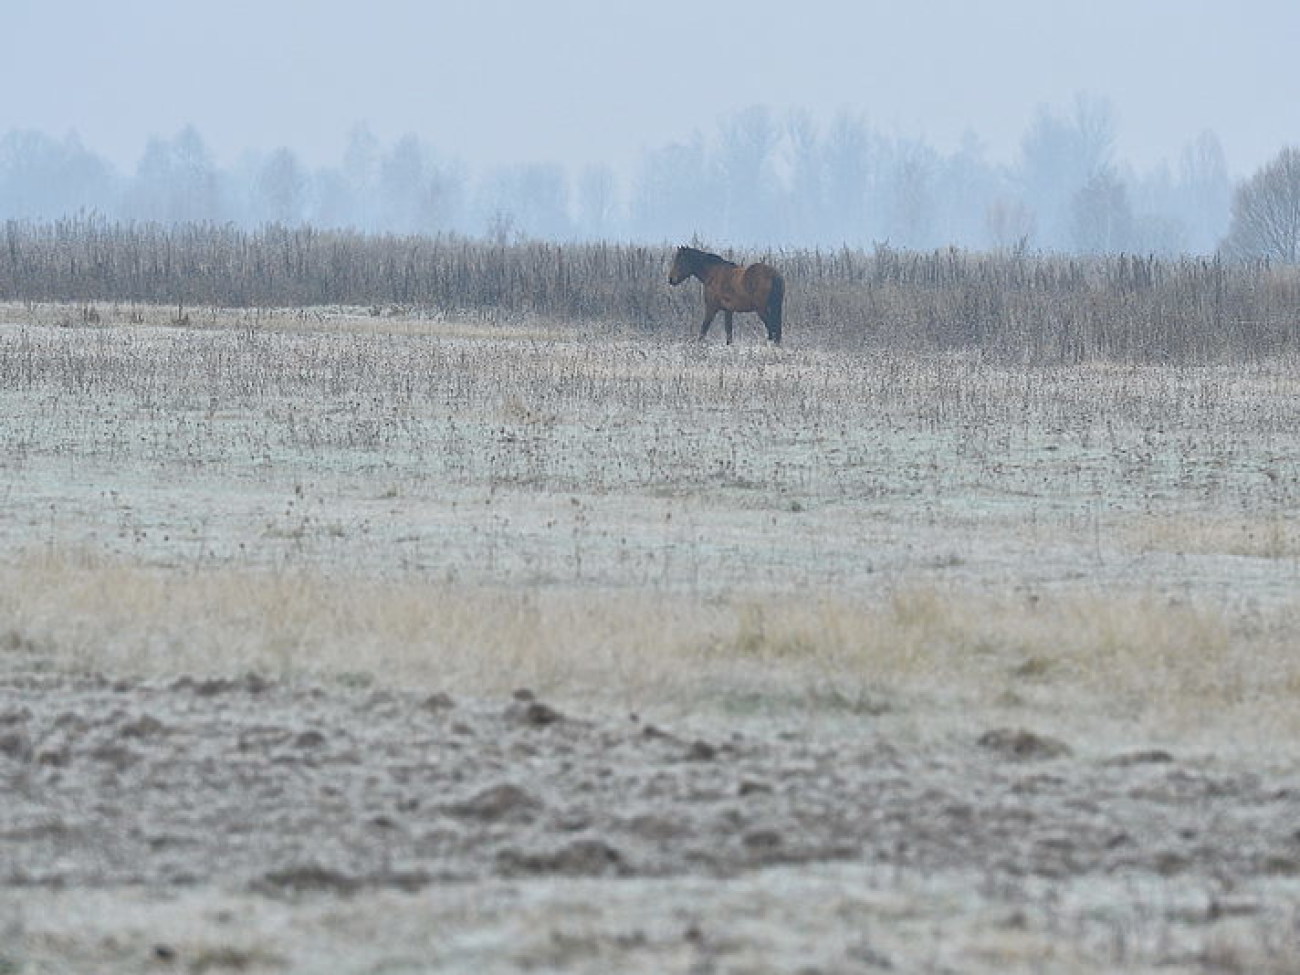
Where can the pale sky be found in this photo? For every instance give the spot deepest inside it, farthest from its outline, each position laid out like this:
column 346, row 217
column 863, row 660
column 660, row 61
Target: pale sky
column 586, row 81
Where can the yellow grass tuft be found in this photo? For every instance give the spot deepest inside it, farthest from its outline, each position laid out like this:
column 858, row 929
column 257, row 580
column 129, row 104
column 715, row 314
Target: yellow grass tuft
column 1272, row 536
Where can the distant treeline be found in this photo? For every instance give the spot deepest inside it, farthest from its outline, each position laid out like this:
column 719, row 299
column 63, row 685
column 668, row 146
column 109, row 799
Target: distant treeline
column 1010, row 306
column 757, row 176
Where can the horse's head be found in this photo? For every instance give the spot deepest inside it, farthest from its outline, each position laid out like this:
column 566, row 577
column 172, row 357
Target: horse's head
column 683, row 266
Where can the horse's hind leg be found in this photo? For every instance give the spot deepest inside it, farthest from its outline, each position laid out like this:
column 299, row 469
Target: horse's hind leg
column 726, row 322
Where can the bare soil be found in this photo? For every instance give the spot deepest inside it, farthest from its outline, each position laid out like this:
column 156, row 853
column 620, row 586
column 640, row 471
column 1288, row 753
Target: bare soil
column 388, row 831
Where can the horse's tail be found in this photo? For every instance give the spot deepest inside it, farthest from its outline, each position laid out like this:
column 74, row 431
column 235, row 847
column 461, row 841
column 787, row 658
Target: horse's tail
column 775, row 299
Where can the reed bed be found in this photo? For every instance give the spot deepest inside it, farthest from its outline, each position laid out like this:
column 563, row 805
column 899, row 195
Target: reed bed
column 1012, row 307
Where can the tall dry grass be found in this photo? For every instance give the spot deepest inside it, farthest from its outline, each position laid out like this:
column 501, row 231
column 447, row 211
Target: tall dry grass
column 1011, row 307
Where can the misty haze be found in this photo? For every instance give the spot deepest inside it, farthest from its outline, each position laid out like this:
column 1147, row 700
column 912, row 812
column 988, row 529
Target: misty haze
column 758, row 178
column 1101, row 128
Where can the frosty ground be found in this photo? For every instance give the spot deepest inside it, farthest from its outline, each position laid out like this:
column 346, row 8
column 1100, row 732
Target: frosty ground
column 341, row 643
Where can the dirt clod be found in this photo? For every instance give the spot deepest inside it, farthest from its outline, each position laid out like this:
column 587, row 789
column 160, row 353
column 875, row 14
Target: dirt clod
column 533, row 714
column 1021, row 745
column 497, row 803
column 1153, row 756
column 581, row 858
column 16, row 745
column 701, row 751
column 439, row 701
column 309, row 739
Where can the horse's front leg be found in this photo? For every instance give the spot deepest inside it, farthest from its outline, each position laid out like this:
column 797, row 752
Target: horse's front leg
column 726, row 322
column 710, row 313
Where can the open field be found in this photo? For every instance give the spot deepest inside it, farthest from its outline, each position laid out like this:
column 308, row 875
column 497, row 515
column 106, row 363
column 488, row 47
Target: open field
column 841, row 659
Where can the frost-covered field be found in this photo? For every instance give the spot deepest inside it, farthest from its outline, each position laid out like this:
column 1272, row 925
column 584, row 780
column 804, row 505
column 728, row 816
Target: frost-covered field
column 842, row 660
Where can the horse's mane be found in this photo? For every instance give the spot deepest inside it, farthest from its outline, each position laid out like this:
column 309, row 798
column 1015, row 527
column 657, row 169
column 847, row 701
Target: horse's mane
column 704, row 257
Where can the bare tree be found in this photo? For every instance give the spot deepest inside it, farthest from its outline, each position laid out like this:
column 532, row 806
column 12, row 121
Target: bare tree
column 805, row 199
column 747, row 141
column 1009, row 224
column 281, row 186
column 532, row 197
column 597, row 201
column 911, row 204
column 176, row 181
column 401, row 185
column 361, row 178
column 676, row 193
column 1103, row 218
column 1204, row 191
column 1266, row 212
column 42, row 177
column 1059, row 154
column 849, row 174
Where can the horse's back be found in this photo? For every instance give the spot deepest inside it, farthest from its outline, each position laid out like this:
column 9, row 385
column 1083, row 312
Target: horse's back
column 759, row 279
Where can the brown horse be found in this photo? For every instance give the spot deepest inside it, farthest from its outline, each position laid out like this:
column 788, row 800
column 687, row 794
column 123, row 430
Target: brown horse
column 730, row 288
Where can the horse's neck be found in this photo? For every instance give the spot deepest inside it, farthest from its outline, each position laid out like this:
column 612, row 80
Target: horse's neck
column 711, row 266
